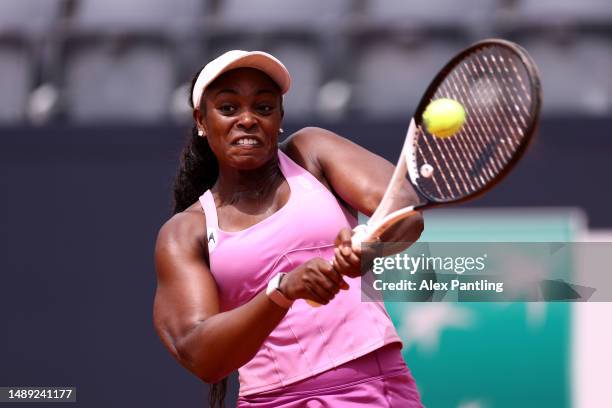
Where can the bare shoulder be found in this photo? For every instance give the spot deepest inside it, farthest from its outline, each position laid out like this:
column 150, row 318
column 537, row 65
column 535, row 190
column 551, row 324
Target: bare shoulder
column 184, row 230
column 309, row 139
column 307, row 146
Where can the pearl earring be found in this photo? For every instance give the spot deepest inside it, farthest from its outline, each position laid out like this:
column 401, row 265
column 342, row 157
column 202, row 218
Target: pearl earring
column 281, row 130
column 200, row 132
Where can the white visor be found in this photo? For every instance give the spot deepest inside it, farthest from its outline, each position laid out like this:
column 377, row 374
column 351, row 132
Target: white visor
column 241, row 59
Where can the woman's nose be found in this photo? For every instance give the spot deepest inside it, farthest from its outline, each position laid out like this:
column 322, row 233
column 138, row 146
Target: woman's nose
column 246, row 120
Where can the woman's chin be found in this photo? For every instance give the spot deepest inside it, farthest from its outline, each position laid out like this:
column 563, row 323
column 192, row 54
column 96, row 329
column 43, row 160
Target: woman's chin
column 250, row 159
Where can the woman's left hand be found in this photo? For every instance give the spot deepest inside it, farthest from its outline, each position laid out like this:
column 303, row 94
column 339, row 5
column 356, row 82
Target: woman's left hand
column 347, row 260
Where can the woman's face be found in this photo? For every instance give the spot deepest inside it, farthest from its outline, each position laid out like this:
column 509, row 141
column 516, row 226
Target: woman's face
column 241, row 118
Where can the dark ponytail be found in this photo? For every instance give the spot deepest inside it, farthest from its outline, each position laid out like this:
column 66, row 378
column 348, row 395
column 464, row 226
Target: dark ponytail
column 216, row 394
column 197, row 173
column 198, row 170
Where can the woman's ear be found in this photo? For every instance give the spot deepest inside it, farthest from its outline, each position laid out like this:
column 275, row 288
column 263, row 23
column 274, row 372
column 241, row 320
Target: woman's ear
column 198, row 117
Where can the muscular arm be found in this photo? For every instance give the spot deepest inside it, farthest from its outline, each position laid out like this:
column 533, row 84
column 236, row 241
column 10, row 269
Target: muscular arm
column 186, row 310
column 358, row 176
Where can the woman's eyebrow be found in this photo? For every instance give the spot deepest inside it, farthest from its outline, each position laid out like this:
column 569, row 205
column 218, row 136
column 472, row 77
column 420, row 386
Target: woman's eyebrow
column 262, row 91
column 226, row 90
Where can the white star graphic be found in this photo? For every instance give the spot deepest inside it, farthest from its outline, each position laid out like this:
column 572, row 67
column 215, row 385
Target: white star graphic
column 471, row 404
column 423, row 324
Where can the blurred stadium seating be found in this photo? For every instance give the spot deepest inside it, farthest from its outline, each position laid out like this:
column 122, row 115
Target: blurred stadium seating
column 23, row 26
column 576, row 70
column 392, row 71
column 398, row 14
column 111, row 56
column 587, row 13
column 97, row 60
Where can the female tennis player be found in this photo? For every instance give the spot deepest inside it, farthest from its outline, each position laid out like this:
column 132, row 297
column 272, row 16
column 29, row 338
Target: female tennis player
column 256, row 224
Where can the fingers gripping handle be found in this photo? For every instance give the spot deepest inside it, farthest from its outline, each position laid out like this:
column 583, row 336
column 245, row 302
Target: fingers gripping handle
column 359, row 234
column 365, row 232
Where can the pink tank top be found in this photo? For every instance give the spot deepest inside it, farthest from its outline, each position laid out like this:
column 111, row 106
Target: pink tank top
column 308, row 340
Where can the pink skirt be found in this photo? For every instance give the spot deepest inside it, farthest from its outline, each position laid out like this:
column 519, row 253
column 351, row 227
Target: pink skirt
column 378, row 379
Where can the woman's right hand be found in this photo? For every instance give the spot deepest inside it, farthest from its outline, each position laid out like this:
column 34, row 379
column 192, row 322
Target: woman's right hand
column 315, row 279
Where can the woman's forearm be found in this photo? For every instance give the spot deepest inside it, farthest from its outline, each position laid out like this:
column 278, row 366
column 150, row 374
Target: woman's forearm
column 228, row 340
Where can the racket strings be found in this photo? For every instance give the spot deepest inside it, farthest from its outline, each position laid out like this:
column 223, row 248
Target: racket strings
column 485, row 112
column 457, row 163
column 488, row 112
column 493, row 85
column 518, row 76
column 452, row 161
column 521, row 100
column 474, row 140
column 437, row 165
column 516, row 104
column 467, row 143
column 466, row 150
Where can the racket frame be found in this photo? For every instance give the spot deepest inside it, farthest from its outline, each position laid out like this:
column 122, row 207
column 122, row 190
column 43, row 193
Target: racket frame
column 534, row 112
column 377, row 224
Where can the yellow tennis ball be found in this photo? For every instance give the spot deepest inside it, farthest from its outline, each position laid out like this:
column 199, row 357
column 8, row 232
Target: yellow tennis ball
column 444, row 117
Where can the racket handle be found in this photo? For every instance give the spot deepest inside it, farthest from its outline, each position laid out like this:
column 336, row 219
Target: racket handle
column 360, row 234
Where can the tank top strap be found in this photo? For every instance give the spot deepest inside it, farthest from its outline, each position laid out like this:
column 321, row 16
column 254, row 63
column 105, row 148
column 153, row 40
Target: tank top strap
column 288, row 166
column 299, row 179
column 212, row 225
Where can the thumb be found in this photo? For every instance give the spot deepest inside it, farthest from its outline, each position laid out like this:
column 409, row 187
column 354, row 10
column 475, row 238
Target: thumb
column 343, row 284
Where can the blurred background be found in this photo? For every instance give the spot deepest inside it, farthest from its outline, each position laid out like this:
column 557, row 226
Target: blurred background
column 93, row 115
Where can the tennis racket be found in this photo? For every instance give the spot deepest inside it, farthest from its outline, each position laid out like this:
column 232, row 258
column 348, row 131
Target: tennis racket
column 498, row 85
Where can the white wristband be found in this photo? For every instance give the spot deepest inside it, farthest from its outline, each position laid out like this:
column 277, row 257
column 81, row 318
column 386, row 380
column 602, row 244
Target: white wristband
column 274, row 293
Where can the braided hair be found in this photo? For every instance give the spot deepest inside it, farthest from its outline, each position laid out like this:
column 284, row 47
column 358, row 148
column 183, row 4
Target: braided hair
column 198, row 169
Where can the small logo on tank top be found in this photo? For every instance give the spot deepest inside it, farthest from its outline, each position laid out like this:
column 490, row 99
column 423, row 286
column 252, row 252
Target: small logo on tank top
column 305, row 182
column 212, row 239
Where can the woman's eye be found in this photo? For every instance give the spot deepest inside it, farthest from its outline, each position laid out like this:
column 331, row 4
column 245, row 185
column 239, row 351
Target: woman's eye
column 265, row 108
column 227, row 109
